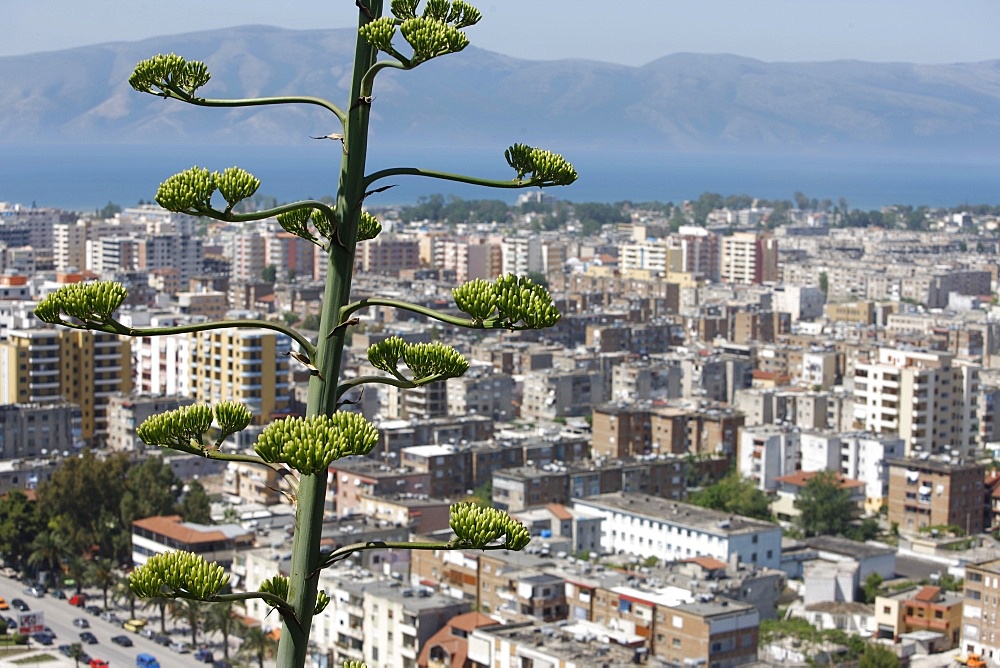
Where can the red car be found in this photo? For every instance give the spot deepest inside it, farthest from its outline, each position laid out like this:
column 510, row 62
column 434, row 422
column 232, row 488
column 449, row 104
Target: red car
column 98, row 663
column 79, row 600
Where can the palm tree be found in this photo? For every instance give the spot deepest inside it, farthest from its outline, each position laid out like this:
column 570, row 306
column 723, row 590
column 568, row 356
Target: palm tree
column 193, row 612
column 101, row 573
column 161, row 604
column 48, row 552
column 123, row 592
column 220, row 617
column 257, row 644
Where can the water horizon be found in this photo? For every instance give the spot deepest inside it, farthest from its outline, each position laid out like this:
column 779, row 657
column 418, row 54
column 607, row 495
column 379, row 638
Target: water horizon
column 81, row 177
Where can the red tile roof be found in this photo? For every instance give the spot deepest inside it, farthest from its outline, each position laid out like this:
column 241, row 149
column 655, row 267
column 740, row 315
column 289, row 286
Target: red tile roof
column 170, row 526
column 559, row 511
column 708, row 563
column 800, row 478
column 928, row 594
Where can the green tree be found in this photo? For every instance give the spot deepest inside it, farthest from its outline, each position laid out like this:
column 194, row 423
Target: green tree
column 257, row 645
column 19, row 524
column 825, row 506
column 151, row 489
column 109, row 210
column 269, row 274
column 311, row 322
column 877, row 656
column 871, row 588
column 191, row 612
column 49, row 552
column 399, row 40
column 101, row 574
column 290, row 317
column 196, row 506
column 222, row 618
column 824, row 283
column 83, row 500
column 734, row 494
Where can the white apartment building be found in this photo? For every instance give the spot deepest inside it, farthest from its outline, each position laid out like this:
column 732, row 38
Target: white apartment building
column 928, row 398
column 521, row 255
column 803, row 302
column 766, row 453
column 69, row 246
column 642, row 525
column 748, row 258
column 856, row 455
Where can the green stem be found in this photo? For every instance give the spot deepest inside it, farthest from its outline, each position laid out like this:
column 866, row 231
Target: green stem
column 322, row 398
column 447, row 176
column 347, row 550
column 178, row 94
column 368, row 80
column 470, row 323
column 387, row 380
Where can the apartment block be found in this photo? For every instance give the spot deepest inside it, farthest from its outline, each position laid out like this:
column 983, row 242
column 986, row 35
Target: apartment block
column 388, row 254
column 643, row 525
column 549, row 394
column 980, row 628
column 532, row 486
column 162, row 534
column 245, row 365
column 38, row 430
column 749, row 258
column 126, row 412
column 929, row 491
column 82, row 367
column 927, row 398
column 715, row 633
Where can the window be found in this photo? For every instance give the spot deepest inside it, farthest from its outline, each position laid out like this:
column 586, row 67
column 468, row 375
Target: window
column 973, row 594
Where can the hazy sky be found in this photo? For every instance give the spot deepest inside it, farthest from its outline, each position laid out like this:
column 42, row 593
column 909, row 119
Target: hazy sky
column 631, row 32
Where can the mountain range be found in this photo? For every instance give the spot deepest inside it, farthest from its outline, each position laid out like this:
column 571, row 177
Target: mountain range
column 681, row 102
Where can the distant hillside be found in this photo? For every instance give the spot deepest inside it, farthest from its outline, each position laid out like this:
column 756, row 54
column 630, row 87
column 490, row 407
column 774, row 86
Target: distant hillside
column 681, row 102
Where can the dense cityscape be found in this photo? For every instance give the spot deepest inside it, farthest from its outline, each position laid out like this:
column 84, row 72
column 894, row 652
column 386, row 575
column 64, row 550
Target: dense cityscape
column 761, row 432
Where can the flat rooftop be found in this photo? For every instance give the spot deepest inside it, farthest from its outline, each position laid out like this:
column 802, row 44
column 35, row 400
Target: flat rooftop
column 676, row 513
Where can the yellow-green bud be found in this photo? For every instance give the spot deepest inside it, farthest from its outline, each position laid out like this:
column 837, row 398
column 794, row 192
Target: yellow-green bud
column 189, row 191
column 174, row 573
column 236, row 184
column 310, row 444
column 88, row 302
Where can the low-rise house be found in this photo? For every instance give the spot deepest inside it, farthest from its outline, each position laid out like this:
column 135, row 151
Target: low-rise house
column 928, row 609
column 161, row 534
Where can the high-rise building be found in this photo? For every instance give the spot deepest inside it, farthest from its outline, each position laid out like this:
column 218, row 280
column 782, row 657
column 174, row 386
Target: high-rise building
column 245, row 365
column 980, row 628
column 930, row 491
column 928, row 398
column 749, row 258
column 48, row 365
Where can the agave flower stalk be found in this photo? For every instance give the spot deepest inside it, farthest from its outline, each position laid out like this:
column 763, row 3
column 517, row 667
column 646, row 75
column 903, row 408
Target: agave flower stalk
column 412, row 34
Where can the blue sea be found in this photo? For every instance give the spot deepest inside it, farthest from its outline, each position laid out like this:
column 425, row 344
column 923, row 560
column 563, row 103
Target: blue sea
column 84, row 177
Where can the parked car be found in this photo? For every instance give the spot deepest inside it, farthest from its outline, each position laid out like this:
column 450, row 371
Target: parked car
column 124, row 641
column 109, row 616
column 146, row 661
column 79, row 600
column 88, row 638
column 34, row 590
column 20, row 605
column 98, row 663
column 8, row 572
column 59, row 593
column 204, row 655
column 135, row 625
column 11, row 623
column 221, row 663
column 161, row 639
column 94, row 610
column 180, row 647
column 81, row 623
column 42, row 637
column 4, row 605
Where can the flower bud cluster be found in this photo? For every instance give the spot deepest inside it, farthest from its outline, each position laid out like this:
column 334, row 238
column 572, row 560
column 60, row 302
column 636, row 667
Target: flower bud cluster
column 277, row 585
column 368, row 227
column 430, row 38
column 428, row 360
column 175, row 572
column 232, row 416
column 89, row 302
column 477, row 526
column 435, row 33
column 169, row 73
column 425, row 360
column 543, row 168
column 191, row 191
column 351, row 663
column 181, row 429
column 310, row 444
column 297, row 222
column 518, row 301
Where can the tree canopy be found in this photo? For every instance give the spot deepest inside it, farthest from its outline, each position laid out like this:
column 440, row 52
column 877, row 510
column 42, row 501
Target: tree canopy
column 734, row 494
column 825, row 506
